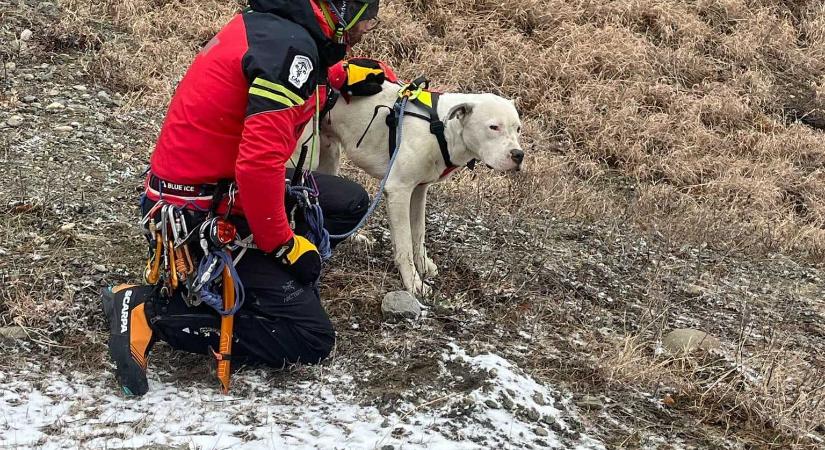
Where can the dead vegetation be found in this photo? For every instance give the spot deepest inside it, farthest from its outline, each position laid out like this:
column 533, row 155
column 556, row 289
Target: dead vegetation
column 705, row 111
column 682, row 139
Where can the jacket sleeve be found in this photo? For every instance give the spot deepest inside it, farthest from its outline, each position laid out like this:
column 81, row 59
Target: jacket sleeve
column 278, row 91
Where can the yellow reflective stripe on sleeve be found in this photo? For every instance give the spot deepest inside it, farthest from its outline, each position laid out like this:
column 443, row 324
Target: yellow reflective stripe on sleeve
column 280, row 89
column 272, row 96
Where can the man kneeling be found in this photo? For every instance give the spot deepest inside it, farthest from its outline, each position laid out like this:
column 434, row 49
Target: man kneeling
column 219, row 168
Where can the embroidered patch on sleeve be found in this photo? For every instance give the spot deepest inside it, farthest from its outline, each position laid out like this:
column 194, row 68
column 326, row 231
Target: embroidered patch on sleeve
column 299, row 70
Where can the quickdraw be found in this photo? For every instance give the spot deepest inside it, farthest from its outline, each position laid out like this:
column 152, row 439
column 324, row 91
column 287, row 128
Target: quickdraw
column 213, row 280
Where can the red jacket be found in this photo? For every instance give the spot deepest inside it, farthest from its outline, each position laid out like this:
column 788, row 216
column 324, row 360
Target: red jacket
column 241, row 107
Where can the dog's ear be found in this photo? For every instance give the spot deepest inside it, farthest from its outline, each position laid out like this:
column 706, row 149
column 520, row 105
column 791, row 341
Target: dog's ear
column 460, row 111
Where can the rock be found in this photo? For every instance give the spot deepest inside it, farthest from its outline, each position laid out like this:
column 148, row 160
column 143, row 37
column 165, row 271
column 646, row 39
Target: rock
column 539, row 398
column 386, row 423
column 533, row 415
column 399, row 305
column 29, row 99
column 26, row 35
column 388, row 447
column 55, row 106
column 590, row 403
column 549, row 420
column 12, row 333
column 686, row 340
column 79, row 88
column 694, row 290
column 506, row 401
column 16, row 46
column 540, row 431
column 14, row 121
column 11, row 67
column 100, row 268
column 63, row 128
column 67, row 227
column 491, row 403
column 104, row 96
column 28, row 76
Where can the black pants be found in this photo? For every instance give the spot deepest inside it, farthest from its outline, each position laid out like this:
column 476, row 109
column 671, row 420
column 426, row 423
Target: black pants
column 281, row 321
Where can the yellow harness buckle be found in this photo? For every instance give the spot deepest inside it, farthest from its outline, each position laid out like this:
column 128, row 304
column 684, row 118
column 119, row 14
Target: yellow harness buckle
column 414, row 89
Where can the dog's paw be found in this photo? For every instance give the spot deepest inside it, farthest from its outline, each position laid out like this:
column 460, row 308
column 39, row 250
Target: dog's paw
column 430, row 270
column 426, row 267
column 420, row 289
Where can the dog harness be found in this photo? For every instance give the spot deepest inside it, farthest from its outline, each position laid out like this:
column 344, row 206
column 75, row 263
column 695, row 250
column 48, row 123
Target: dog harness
column 428, row 101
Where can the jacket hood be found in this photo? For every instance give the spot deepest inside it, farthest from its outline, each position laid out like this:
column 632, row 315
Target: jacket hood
column 303, row 13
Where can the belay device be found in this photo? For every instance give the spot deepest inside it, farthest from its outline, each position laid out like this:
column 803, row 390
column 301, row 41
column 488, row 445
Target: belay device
column 172, row 266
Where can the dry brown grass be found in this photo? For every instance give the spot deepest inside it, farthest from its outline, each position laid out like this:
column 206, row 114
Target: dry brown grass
column 160, row 41
column 689, row 104
column 774, row 389
column 688, row 120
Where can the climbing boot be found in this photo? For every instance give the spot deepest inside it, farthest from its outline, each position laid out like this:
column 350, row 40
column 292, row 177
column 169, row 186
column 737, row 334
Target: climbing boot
column 130, row 336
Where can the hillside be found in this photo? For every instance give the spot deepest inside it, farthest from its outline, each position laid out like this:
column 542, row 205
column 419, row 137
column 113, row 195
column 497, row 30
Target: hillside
column 673, row 179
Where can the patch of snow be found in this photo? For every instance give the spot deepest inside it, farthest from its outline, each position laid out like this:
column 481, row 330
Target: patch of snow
column 42, row 408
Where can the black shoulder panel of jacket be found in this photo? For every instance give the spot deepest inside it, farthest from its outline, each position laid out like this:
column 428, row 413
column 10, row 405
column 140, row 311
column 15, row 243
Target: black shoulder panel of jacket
column 281, row 63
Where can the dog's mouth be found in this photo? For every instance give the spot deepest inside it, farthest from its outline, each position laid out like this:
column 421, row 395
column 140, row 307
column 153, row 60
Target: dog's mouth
column 517, row 168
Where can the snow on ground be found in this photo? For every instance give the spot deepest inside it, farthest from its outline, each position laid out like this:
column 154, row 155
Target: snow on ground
column 502, row 408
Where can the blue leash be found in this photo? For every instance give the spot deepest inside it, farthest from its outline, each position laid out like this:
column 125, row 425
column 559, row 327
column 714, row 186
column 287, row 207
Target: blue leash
column 378, row 195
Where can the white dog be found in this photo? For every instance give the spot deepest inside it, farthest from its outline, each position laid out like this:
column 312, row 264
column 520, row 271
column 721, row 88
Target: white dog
column 481, row 127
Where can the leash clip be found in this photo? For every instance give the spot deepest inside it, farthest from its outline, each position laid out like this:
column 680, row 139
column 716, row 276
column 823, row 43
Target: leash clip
column 413, row 89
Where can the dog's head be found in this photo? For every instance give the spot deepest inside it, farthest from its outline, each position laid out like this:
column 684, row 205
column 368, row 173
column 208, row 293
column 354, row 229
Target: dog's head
column 490, row 130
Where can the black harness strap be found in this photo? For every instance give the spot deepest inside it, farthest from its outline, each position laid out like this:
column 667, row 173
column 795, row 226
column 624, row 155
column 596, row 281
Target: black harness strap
column 221, row 189
column 332, row 99
column 437, row 126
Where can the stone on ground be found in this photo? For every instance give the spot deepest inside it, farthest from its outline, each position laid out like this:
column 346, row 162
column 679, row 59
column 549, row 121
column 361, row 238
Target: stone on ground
column 400, row 305
column 12, row 333
column 686, row 340
column 14, row 121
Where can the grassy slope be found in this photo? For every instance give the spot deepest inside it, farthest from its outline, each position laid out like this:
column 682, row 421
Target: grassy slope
column 665, row 131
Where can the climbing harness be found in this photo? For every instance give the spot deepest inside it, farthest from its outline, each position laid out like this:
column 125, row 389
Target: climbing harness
column 171, row 265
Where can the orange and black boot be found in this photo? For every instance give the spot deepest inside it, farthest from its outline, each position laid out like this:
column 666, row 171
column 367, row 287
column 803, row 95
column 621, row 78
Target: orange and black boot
column 130, row 336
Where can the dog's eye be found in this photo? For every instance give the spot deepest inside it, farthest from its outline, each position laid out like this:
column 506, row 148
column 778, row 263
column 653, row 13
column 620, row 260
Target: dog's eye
column 494, row 127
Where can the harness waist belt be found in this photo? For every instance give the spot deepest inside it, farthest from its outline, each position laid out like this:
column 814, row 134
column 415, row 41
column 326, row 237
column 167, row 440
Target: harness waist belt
column 182, row 190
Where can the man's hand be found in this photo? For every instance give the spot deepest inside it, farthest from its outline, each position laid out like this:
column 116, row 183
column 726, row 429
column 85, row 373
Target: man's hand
column 300, row 258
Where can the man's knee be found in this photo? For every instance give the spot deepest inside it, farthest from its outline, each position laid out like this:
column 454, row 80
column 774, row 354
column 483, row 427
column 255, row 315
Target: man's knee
column 320, row 346
column 342, row 198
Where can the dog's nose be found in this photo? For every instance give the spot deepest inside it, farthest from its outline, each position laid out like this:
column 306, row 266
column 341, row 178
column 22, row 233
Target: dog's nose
column 517, row 155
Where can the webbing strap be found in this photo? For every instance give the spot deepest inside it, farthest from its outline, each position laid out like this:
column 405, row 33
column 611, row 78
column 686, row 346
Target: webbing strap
column 437, row 128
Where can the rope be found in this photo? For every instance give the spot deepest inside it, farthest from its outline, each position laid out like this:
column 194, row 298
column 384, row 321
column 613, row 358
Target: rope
column 380, row 192
column 210, row 268
column 307, row 196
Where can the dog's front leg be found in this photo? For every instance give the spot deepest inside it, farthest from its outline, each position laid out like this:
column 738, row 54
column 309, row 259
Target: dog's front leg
column 398, row 209
column 418, row 212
